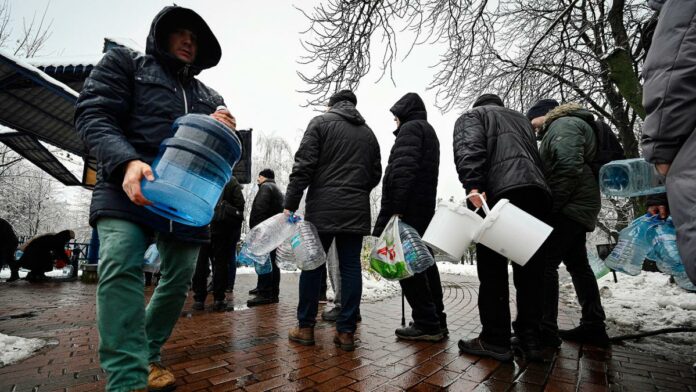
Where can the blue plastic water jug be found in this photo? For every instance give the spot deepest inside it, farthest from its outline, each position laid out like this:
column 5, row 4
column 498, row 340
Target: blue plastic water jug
column 633, row 246
column 416, row 253
column 630, row 177
column 191, row 170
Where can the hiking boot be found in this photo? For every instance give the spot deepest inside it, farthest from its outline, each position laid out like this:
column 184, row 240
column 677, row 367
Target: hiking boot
column 261, row 300
column 345, row 341
column 528, row 346
column 595, row 335
column 413, row 333
column 254, row 291
column 550, row 339
column 198, row 305
column 445, row 331
column 478, row 347
column 222, row 306
column 331, row 315
column 303, row 336
column 160, row 379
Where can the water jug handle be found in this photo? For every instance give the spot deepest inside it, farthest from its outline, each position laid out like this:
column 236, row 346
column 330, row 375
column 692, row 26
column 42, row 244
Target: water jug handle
column 485, row 205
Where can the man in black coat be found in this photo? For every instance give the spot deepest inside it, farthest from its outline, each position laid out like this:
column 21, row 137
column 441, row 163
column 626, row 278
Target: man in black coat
column 496, row 155
column 409, row 189
column 267, row 202
column 225, row 230
column 339, row 160
column 8, row 246
column 125, row 110
column 41, row 252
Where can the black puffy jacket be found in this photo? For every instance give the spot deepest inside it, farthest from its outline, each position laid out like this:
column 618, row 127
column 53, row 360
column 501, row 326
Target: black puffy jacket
column 127, row 107
column 339, row 160
column 495, row 151
column 40, row 252
column 229, row 210
column 409, row 187
column 268, row 202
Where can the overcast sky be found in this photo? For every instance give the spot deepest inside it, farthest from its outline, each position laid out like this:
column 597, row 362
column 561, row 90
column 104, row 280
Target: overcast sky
column 260, row 42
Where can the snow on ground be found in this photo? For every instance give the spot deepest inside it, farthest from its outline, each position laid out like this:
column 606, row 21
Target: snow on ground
column 460, row 269
column 56, row 273
column 646, row 302
column 14, row 348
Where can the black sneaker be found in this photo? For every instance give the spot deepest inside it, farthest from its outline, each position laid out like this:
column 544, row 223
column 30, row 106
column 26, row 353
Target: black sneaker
column 478, row 347
column 262, row 300
column 595, row 335
column 413, row 333
column 254, row 291
column 198, row 306
column 528, row 348
column 222, row 306
column 550, row 339
column 445, row 331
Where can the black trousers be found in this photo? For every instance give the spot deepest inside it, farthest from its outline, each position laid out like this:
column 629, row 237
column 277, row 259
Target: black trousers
column 220, row 252
column 269, row 284
column 494, row 293
column 567, row 245
column 423, row 291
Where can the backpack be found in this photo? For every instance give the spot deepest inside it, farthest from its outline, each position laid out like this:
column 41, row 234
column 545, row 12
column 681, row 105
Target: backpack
column 608, row 147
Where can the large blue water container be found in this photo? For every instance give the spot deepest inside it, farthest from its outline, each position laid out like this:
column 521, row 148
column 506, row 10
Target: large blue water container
column 630, row 177
column 191, row 169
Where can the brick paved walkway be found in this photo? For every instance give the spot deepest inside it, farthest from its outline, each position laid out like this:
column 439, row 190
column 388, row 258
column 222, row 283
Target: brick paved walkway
column 248, row 350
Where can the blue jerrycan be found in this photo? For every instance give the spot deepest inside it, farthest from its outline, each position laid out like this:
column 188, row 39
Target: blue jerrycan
column 630, row 177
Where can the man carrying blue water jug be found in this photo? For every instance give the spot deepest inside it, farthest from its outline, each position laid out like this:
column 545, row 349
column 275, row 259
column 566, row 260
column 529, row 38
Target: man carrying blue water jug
column 125, row 110
column 496, row 156
column 339, row 160
column 409, row 189
column 669, row 130
column 568, row 149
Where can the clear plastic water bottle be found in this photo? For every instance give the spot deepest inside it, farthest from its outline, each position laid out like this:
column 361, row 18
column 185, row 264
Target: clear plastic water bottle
column 309, row 253
column 18, row 254
column 285, row 257
column 272, row 232
column 664, row 247
column 418, row 257
column 630, row 177
column 683, row 280
column 264, row 268
column 151, row 262
column 259, row 262
column 599, row 268
column 633, row 246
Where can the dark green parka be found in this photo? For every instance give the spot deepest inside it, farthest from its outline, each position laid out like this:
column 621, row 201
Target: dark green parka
column 567, row 147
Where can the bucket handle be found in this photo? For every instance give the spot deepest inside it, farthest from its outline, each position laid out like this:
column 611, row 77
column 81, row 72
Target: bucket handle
column 485, row 205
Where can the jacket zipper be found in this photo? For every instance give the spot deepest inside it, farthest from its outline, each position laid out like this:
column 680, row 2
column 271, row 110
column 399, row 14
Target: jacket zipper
column 183, row 93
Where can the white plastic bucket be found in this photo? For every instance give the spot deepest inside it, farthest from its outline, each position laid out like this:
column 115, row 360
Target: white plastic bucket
column 452, row 229
column 512, row 232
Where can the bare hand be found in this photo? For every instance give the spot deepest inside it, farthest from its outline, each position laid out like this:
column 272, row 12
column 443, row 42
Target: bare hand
column 287, row 212
column 135, row 171
column 224, row 116
column 476, row 201
column 662, row 168
column 661, row 210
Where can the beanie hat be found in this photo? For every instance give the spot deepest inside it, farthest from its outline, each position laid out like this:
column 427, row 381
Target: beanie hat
column 268, row 173
column 540, row 108
column 343, row 95
column 488, row 99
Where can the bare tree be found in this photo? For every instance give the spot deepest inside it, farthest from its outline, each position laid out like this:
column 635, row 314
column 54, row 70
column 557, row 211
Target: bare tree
column 575, row 50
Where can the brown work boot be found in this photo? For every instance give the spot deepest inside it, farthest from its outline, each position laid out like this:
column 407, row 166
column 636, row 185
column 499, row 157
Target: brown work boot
column 303, row 336
column 160, row 379
column 345, row 341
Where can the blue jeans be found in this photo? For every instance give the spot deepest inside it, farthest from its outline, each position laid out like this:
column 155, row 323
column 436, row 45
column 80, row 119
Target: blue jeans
column 348, row 247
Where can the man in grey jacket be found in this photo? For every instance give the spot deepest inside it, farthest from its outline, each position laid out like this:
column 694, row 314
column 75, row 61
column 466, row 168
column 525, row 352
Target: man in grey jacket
column 669, row 97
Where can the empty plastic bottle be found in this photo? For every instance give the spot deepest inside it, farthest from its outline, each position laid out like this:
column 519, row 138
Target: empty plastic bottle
column 599, row 268
column 18, row 254
column 633, row 246
column 667, row 255
column 309, row 253
column 416, row 253
column 261, row 263
column 285, row 257
column 630, row 177
column 264, row 268
column 270, row 233
column 152, row 259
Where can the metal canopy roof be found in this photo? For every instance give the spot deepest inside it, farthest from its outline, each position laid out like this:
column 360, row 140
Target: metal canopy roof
column 30, row 148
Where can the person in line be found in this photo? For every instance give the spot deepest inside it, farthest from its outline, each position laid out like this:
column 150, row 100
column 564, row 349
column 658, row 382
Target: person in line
column 41, row 253
column 125, row 110
column 8, row 246
column 669, row 136
column 267, row 202
column 568, row 149
column 225, row 230
column 339, row 160
column 409, row 189
column 496, row 156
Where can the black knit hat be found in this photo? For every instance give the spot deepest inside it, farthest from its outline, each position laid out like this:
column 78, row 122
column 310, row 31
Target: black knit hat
column 268, row 173
column 343, row 95
column 540, row 108
column 488, row 99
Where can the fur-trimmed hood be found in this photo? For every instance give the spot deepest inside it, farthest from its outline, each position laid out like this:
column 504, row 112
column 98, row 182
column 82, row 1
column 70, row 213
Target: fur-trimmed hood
column 565, row 110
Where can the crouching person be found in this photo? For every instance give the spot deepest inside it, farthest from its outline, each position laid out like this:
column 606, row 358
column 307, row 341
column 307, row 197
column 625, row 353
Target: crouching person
column 409, row 189
column 339, row 160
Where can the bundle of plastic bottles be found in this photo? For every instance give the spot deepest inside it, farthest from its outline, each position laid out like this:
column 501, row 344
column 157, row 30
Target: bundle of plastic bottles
column 666, row 254
column 302, row 250
column 417, row 254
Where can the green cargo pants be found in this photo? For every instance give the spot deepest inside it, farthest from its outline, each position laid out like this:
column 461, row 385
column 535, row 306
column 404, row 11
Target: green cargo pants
column 131, row 335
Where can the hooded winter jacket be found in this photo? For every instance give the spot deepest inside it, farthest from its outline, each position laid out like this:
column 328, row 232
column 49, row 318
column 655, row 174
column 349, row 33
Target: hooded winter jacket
column 267, row 202
column 409, row 187
column 128, row 105
column 495, row 151
column 339, row 160
column 669, row 131
column 568, row 146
